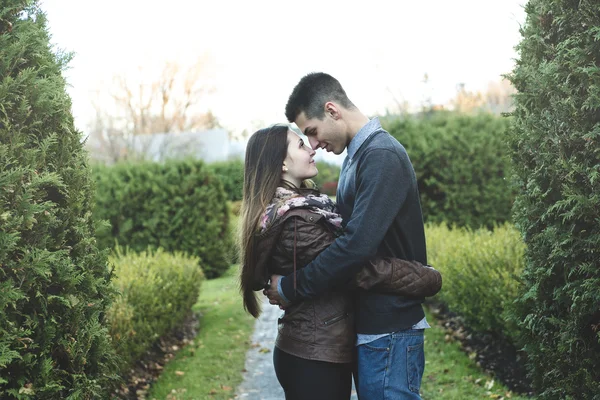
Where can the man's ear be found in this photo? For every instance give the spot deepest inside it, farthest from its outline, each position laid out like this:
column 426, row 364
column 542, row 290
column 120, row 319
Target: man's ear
column 332, row 110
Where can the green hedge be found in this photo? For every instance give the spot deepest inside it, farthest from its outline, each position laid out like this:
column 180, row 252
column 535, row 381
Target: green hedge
column 158, row 290
column 480, row 269
column 178, row 206
column 54, row 282
column 231, row 174
column 461, row 165
column 555, row 145
column 326, row 179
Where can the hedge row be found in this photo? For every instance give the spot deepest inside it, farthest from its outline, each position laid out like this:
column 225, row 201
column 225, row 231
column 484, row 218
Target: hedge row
column 231, row 174
column 327, row 178
column 177, row 206
column 461, row 165
column 480, row 270
column 157, row 291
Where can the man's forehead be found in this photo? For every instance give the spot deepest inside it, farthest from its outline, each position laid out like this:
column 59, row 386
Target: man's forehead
column 305, row 125
column 301, row 120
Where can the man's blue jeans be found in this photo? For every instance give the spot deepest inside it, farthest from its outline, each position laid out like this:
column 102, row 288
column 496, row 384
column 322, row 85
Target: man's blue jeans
column 391, row 368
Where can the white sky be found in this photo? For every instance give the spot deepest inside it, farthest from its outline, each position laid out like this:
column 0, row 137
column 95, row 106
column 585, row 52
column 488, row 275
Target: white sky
column 261, row 48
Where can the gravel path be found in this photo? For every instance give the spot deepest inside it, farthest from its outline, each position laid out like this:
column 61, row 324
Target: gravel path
column 260, row 382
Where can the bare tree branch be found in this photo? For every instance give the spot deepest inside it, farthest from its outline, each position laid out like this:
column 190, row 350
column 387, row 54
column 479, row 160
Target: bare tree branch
column 132, row 106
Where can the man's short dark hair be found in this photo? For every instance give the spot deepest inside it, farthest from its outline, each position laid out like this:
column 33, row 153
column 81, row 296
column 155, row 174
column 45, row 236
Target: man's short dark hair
column 311, row 94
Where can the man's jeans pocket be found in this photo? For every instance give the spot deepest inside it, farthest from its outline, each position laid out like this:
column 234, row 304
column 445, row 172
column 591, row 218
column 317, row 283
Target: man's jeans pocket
column 391, row 367
column 373, row 364
column 415, row 364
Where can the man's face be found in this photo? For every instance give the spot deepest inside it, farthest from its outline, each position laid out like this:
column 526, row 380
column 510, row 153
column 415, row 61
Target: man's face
column 327, row 134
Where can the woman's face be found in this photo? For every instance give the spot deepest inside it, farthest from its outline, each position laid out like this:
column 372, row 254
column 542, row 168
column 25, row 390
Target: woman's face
column 299, row 160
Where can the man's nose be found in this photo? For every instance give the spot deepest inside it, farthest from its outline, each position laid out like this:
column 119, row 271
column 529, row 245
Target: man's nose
column 313, row 142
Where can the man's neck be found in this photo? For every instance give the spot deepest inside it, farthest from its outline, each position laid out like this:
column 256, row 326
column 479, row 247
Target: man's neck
column 356, row 120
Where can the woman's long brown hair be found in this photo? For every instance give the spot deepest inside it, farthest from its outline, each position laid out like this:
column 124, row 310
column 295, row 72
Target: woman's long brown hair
column 265, row 153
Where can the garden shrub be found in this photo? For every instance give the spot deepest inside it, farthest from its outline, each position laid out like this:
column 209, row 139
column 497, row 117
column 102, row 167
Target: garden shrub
column 555, row 146
column 328, row 173
column 231, row 174
column 54, row 281
column 177, row 206
column 461, row 165
column 480, row 269
column 157, row 292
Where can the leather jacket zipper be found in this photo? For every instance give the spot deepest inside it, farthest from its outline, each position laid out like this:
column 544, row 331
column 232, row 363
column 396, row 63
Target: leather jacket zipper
column 335, row 319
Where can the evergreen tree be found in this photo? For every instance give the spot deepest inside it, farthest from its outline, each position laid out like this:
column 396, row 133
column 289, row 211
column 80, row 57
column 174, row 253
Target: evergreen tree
column 54, row 282
column 555, row 146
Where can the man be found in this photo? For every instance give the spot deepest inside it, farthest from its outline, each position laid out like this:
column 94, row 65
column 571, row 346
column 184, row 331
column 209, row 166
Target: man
column 379, row 202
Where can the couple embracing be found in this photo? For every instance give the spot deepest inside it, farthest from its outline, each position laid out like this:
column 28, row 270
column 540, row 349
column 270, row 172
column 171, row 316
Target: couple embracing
column 351, row 277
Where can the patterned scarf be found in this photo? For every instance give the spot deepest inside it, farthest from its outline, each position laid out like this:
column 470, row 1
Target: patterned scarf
column 286, row 200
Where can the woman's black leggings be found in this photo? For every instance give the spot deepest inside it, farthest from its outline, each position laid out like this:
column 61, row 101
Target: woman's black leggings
column 303, row 379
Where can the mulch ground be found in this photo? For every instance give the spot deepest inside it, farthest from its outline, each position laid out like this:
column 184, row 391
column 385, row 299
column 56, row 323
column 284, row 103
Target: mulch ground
column 146, row 370
column 494, row 354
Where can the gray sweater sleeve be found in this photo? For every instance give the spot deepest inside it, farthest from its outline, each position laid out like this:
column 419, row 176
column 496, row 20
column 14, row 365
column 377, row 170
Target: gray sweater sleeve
column 382, row 183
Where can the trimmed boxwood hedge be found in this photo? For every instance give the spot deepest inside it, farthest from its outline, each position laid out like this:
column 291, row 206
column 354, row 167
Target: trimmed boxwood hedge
column 461, row 164
column 157, row 291
column 176, row 205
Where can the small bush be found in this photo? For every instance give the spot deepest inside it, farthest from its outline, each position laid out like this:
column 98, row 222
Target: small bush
column 327, row 173
column 158, row 290
column 480, row 270
column 461, row 165
column 177, row 206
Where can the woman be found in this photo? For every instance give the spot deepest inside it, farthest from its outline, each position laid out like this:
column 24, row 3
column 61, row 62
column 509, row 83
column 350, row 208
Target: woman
column 285, row 224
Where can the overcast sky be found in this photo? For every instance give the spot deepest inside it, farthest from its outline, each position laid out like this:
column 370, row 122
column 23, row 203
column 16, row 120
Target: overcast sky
column 258, row 50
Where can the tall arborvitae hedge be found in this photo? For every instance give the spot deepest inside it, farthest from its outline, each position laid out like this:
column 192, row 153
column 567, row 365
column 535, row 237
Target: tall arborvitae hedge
column 54, row 283
column 556, row 152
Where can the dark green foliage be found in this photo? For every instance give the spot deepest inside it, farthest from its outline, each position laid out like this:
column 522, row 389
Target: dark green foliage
column 555, row 145
column 327, row 177
column 158, row 290
column 231, row 174
column 178, row 206
column 461, row 166
column 54, row 282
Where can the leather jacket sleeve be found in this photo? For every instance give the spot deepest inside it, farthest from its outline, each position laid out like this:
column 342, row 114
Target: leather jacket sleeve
column 405, row 278
column 387, row 275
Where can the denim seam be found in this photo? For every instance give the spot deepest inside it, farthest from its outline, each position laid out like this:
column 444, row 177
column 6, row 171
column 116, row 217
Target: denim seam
column 408, row 366
column 408, row 333
column 386, row 380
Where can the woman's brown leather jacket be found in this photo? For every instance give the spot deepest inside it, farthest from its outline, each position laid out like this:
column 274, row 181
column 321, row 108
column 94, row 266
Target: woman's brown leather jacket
column 323, row 328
